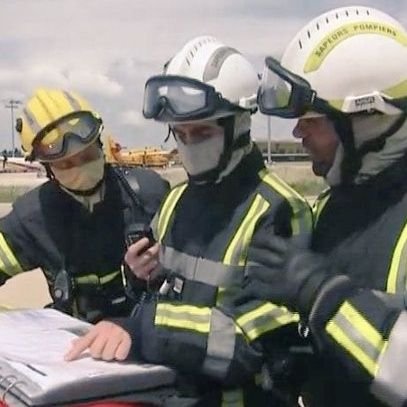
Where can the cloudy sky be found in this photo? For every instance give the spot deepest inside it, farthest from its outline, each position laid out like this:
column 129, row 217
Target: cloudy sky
column 106, row 49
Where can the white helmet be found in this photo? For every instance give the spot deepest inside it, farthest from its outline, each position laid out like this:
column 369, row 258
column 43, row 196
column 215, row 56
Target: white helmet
column 350, row 64
column 214, row 63
column 354, row 58
column 206, row 81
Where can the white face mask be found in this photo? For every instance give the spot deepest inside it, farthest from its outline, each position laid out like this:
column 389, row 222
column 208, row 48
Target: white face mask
column 198, row 158
column 81, row 178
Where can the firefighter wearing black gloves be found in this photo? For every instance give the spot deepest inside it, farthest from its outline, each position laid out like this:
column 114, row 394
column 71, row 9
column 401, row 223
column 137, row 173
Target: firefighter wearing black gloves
column 73, row 226
column 204, row 229
column 344, row 77
column 365, row 330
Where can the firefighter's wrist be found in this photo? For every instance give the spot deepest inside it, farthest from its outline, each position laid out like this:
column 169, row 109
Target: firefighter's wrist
column 330, row 296
column 309, row 291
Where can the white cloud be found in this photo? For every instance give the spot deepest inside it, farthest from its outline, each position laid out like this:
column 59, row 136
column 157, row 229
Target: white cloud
column 93, row 82
column 106, row 49
column 132, row 118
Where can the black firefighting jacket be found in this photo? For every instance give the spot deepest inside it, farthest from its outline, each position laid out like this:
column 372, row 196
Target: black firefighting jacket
column 205, row 232
column 48, row 228
column 363, row 230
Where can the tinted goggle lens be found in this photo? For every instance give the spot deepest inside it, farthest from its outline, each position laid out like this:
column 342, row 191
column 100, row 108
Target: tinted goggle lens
column 63, row 136
column 177, row 98
column 181, row 100
column 274, row 92
column 283, row 93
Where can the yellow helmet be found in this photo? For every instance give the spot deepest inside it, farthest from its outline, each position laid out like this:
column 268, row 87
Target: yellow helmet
column 55, row 124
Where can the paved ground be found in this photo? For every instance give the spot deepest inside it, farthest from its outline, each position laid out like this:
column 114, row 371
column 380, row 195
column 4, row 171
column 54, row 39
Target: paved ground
column 23, row 179
column 29, row 289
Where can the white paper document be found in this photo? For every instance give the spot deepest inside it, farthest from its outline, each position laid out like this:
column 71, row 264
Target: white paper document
column 33, row 344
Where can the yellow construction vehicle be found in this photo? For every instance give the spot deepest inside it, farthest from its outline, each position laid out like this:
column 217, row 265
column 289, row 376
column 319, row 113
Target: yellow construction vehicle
column 140, row 157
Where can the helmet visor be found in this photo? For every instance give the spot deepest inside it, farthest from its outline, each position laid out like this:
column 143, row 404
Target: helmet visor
column 66, row 136
column 283, row 93
column 171, row 98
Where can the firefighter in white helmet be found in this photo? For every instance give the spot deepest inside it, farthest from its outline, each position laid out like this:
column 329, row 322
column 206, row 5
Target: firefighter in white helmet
column 344, row 78
column 204, row 229
column 73, row 227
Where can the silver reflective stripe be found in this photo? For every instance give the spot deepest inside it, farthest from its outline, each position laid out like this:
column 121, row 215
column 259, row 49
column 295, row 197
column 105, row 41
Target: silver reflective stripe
column 215, row 63
column 356, row 336
column 31, row 121
column 200, row 269
column 154, row 225
column 264, row 318
column 221, row 345
column 74, row 103
column 390, row 384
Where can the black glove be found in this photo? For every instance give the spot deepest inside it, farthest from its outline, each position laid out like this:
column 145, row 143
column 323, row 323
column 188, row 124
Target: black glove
column 283, row 274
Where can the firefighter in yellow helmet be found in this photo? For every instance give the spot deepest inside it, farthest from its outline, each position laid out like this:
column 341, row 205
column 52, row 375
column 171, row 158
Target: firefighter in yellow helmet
column 74, row 226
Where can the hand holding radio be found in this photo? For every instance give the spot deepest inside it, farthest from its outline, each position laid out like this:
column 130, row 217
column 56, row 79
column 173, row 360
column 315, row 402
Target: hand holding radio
column 142, row 251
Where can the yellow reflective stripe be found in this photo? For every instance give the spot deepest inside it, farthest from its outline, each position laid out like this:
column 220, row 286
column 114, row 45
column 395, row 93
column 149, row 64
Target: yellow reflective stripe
column 183, row 316
column 363, row 341
column 339, row 34
column 296, row 201
column 393, row 275
column 8, row 262
column 397, row 91
column 95, row 279
column 236, row 252
column 265, row 318
column 167, row 209
column 232, row 398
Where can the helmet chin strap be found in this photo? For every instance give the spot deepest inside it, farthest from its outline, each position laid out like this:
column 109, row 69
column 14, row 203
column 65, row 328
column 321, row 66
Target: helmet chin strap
column 88, row 192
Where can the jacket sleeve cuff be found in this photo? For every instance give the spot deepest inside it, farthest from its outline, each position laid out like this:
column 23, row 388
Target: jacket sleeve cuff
column 141, row 330
column 331, row 295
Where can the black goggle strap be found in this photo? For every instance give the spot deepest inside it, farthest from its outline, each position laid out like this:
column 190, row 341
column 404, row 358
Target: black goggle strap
column 302, row 97
column 169, row 133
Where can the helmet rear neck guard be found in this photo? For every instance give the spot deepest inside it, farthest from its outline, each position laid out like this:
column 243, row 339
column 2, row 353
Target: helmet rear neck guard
column 353, row 156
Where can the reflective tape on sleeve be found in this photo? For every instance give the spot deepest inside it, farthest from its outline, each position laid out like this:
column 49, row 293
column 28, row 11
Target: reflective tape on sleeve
column 186, row 317
column 352, row 331
column 265, row 318
column 8, row 262
column 389, row 385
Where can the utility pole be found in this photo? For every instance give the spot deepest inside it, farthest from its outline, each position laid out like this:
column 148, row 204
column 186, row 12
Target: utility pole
column 12, row 104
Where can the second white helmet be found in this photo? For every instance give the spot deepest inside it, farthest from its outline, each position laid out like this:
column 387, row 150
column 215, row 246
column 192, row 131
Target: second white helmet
column 353, row 58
